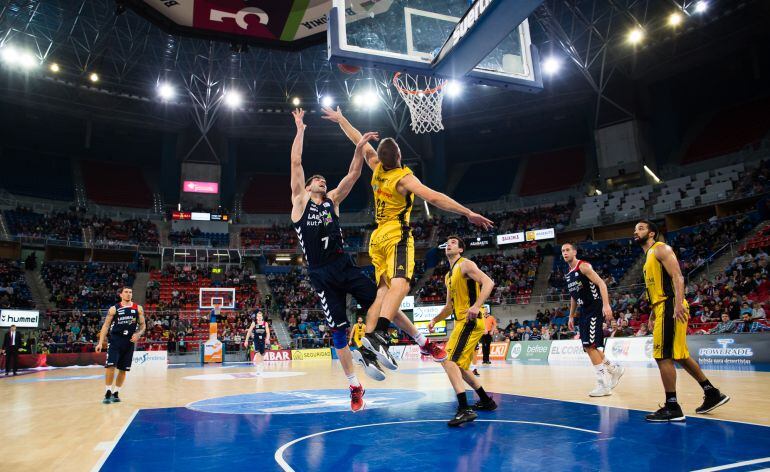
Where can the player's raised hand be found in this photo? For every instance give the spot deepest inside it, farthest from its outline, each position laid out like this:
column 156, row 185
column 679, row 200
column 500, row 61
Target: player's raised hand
column 331, row 114
column 480, row 220
column 299, row 116
column 368, row 136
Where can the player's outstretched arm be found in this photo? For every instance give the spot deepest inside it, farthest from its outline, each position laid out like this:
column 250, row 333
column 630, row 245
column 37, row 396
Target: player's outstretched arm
column 105, row 327
column 142, row 327
column 412, row 184
column 297, row 172
column 336, row 116
column 472, row 271
column 354, row 171
column 588, row 271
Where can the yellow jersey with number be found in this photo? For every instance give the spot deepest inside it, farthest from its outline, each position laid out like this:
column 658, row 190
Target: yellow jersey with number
column 389, row 204
column 358, row 331
column 462, row 290
column 660, row 285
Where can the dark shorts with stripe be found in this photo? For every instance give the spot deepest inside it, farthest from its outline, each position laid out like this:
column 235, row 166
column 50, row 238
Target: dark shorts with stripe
column 259, row 345
column 591, row 327
column 461, row 347
column 120, row 353
column 334, row 281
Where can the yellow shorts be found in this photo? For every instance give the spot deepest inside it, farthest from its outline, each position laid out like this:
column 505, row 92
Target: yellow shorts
column 461, row 346
column 669, row 336
column 357, row 341
column 391, row 248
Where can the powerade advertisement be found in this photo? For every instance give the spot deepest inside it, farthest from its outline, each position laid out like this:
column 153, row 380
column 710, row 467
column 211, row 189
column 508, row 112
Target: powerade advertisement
column 727, row 350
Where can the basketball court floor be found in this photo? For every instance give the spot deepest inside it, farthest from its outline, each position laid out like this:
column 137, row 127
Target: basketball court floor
column 296, row 417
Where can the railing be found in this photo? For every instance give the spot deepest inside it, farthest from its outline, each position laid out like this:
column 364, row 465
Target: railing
column 707, row 263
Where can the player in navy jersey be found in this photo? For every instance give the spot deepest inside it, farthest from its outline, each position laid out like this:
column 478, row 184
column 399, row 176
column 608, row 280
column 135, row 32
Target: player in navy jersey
column 121, row 324
column 589, row 292
column 261, row 331
column 332, row 272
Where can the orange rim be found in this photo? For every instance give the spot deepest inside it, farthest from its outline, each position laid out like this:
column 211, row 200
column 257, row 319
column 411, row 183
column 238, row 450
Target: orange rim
column 416, row 92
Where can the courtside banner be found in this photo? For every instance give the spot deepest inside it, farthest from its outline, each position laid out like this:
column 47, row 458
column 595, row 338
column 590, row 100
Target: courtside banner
column 570, row 350
column 149, row 360
column 629, row 349
column 274, row 356
column 529, row 351
column 730, row 350
column 411, row 353
column 407, row 303
column 20, row 318
column 426, row 313
column 309, row 354
column 498, row 352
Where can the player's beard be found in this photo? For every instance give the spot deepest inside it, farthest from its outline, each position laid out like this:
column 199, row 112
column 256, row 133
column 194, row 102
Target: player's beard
column 641, row 241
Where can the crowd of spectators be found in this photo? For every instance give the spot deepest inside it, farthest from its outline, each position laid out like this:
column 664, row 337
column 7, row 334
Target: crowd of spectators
column 69, row 226
column 14, row 292
column 514, row 277
column 86, row 285
column 275, row 237
column 696, row 244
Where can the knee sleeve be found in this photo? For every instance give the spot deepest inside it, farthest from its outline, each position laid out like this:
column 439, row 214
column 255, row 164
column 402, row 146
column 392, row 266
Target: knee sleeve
column 339, row 338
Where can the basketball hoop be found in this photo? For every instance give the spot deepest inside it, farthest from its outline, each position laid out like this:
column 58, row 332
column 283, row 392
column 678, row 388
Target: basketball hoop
column 423, row 95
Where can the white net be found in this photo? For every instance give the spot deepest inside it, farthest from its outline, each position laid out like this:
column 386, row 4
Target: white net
column 424, row 96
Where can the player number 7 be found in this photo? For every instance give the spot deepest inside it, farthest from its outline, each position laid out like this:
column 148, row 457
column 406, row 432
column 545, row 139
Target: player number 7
column 326, row 242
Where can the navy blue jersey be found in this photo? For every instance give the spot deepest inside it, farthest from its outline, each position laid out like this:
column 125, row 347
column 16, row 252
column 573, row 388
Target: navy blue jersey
column 581, row 289
column 319, row 233
column 260, row 331
column 125, row 320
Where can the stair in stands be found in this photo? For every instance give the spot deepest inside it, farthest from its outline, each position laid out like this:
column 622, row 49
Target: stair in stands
column 140, row 287
column 540, row 289
column 40, row 294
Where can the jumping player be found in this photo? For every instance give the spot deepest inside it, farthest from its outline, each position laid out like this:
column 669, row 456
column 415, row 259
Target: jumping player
column 467, row 288
column 589, row 293
column 121, row 321
column 670, row 313
column 315, row 214
column 261, row 331
column 391, row 245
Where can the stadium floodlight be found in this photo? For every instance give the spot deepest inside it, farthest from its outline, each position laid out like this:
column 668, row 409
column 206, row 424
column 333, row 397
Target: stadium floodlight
column 93, row 77
column 233, row 99
column 675, row 19
column 27, row 60
column 701, row 7
column 296, row 101
column 327, row 101
column 635, row 36
column 453, row 88
column 54, row 67
column 10, row 55
column 598, row 192
column 551, row 65
column 370, row 99
column 166, row 91
column 652, row 174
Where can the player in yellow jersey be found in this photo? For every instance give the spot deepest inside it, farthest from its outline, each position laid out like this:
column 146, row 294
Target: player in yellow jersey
column 670, row 313
column 391, row 245
column 356, row 333
column 467, row 288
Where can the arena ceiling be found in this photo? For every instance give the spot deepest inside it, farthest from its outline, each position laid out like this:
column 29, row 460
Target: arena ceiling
column 134, row 51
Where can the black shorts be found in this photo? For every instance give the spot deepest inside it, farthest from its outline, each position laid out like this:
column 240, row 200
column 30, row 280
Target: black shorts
column 120, row 352
column 332, row 282
column 591, row 329
column 259, row 346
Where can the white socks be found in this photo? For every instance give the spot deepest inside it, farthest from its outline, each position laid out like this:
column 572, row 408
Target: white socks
column 601, row 372
column 609, row 366
column 353, row 380
column 108, row 388
column 260, row 367
column 115, row 389
column 420, row 339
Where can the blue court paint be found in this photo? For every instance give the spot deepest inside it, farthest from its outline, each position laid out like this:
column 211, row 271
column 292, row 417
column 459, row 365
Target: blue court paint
column 440, row 370
column 521, row 434
column 297, row 402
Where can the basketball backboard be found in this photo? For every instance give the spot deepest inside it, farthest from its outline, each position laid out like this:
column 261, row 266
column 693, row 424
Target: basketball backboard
column 484, row 42
column 224, row 298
